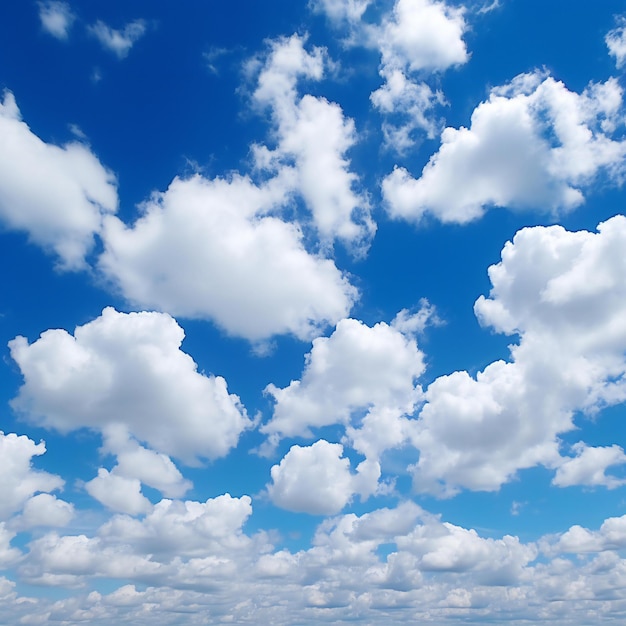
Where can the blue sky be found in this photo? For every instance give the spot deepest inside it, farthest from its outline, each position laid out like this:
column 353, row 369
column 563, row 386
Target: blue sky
column 312, row 312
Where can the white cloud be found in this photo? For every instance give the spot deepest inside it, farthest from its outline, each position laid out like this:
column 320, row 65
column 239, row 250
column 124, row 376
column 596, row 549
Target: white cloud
column 616, row 42
column 56, row 18
column 316, row 479
column 136, row 462
column 589, row 465
column 207, row 249
column 533, row 144
column 422, row 35
column 355, row 370
column 118, row 493
column 564, row 294
column 127, row 371
column 118, row 41
column 8, row 554
column 340, row 11
column 58, row 195
column 313, row 135
column 18, row 480
column 45, row 509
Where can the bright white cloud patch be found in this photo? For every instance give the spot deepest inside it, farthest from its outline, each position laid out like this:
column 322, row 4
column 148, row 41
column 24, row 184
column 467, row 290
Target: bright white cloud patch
column 119, row 42
column 616, row 42
column 56, row 18
column 118, row 493
column 588, row 467
column 313, row 137
column 355, row 370
column 317, row 479
column 564, row 294
column 128, row 370
column 533, row 144
column 208, row 249
column 57, row 195
column 18, row 480
column 45, row 509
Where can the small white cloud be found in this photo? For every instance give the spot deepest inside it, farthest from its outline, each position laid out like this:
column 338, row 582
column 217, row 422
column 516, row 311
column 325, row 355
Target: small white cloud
column 19, row 480
column 616, row 42
column 314, row 479
column 118, row 41
column 588, row 467
column 45, row 509
column 118, row 493
column 533, row 144
column 56, row 18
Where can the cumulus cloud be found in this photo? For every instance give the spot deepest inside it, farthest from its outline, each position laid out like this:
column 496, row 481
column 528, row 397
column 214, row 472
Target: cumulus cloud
column 56, row 18
column 313, row 137
column 563, row 293
column 44, row 509
column 341, row 11
column 616, row 42
column 57, row 195
column 127, row 371
column 533, row 144
column 118, row 493
column 588, row 467
column 207, row 249
column 358, row 369
column 119, row 42
column 316, row 479
column 19, row 480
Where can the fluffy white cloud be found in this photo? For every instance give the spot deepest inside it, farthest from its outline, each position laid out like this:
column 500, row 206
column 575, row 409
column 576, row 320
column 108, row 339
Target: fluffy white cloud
column 616, row 42
column 118, row 41
column 127, row 370
column 533, row 144
column 356, row 369
column 207, row 249
column 589, row 467
column 317, row 479
column 45, row 509
column 313, row 135
column 56, row 18
column 564, row 294
column 58, row 195
column 118, row 493
column 136, row 462
column 18, row 480
column 340, row 11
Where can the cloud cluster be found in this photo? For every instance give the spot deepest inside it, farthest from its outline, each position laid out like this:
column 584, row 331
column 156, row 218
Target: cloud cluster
column 313, row 137
column 127, row 371
column 119, row 42
column 533, row 144
column 56, row 18
column 563, row 294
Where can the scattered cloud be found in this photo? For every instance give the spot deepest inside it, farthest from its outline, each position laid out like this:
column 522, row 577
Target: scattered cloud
column 257, row 279
column 119, row 42
column 616, row 42
column 58, row 195
column 563, row 294
column 533, row 144
column 56, row 18
column 127, row 371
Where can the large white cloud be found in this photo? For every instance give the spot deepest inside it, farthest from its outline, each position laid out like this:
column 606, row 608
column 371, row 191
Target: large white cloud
column 207, row 249
column 57, row 195
column 127, row 371
column 533, row 144
column 313, row 136
column 564, row 294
